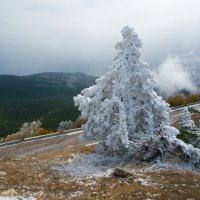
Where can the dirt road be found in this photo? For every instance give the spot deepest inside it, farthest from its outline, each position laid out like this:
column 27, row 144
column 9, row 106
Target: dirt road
column 35, row 147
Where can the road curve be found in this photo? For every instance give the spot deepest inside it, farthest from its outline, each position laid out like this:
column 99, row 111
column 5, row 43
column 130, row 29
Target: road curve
column 43, row 145
column 42, row 137
column 177, row 112
column 174, row 115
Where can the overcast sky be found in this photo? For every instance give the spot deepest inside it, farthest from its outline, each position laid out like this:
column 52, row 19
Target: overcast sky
column 79, row 35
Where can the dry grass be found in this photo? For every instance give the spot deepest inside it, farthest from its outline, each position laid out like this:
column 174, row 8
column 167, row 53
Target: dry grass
column 177, row 184
column 14, row 136
column 196, row 118
column 65, row 154
column 32, row 174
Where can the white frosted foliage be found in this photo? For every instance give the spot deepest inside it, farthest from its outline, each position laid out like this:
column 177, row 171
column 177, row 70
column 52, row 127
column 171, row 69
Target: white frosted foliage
column 123, row 105
column 186, row 123
column 192, row 153
column 65, row 125
column 30, row 128
column 124, row 113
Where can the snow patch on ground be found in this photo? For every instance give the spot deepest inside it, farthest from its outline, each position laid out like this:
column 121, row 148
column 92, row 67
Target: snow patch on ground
column 97, row 165
column 143, row 182
column 177, row 166
column 17, row 198
column 159, row 166
column 75, row 194
column 89, row 165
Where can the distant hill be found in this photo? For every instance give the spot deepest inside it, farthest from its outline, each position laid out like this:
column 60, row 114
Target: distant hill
column 44, row 96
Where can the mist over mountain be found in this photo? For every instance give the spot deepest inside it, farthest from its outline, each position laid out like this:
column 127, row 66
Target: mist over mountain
column 49, row 96
column 191, row 63
column 179, row 73
column 44, row 96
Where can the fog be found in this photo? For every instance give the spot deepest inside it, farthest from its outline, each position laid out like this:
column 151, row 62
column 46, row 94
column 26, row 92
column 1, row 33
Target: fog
column 172, row 77
column 70, row 36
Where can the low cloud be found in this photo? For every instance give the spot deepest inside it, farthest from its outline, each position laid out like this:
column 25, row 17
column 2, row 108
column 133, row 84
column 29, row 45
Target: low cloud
column 172, row 77
column 69, row 36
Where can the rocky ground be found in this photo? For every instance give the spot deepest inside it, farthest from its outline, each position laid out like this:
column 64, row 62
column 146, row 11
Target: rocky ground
column 34, row 174
column 63, row 168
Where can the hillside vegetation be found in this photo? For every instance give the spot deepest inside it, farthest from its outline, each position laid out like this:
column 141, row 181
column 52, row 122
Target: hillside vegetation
column 180, row 99
column 45, row 96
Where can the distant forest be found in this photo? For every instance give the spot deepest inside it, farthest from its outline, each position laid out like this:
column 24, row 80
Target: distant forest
column 47, row 97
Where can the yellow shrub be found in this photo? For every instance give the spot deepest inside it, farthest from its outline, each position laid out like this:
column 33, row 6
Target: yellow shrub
column 180, row 99
column 79, row 122
column 42, row 131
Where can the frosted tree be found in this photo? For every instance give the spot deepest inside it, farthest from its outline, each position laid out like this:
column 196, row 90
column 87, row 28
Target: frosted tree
column 65, row 125
column 189, row 131
column 124, row 113
column 186, row 123
column 123, row 105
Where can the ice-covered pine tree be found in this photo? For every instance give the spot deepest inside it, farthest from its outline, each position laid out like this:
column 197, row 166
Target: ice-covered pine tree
column 186, row 123
column 122, row 106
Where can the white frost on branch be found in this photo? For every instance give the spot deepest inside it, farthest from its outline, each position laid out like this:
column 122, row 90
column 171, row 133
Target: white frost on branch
column 30, row 128
column 65, row 125
column 186, row 123
column 123, row 105
column 192, row 153
column 125, row 115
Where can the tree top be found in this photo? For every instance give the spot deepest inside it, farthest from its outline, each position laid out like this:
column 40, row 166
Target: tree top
column 130, row 40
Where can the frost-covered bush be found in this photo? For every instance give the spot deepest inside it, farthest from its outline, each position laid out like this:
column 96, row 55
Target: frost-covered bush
column 65, row 125
column 186, row 123
column 124, row 113
column 30, row 128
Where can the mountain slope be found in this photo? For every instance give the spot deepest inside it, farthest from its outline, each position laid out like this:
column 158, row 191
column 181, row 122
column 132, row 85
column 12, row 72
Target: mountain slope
column 45, row 96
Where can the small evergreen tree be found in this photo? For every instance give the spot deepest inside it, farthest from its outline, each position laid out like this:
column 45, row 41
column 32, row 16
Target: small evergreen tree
column 186, row 123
